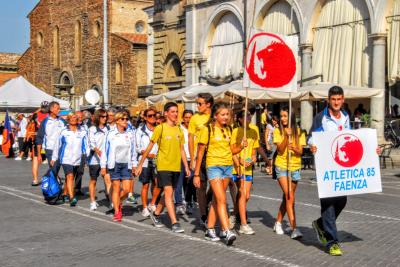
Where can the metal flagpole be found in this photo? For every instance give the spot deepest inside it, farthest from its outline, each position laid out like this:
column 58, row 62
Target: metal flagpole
column 105, row 54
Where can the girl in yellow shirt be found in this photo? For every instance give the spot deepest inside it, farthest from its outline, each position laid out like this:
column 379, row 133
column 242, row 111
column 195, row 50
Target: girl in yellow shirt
column 216, row 139
column 288, row 137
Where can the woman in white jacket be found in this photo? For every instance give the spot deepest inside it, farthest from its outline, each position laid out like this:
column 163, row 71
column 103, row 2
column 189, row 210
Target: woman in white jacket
column 97, row 135
column 71, row 145
column 118, row 156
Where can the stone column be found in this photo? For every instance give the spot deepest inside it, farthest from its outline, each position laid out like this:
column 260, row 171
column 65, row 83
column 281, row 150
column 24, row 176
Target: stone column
column 378, row 81
column 190, row 56
column 306, row 106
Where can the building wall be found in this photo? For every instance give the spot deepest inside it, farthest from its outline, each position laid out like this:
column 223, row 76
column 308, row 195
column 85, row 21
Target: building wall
column 38, row 64
column 169, row 42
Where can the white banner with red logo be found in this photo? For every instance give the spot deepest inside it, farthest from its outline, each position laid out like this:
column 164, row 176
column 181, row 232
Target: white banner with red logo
column 347, row 163
column 271, row 62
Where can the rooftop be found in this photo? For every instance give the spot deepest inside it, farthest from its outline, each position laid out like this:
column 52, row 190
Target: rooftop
column 135, row 38
column 9, row 58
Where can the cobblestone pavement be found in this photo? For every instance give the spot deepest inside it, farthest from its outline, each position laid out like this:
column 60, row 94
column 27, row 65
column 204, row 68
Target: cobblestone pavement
column 35, row 234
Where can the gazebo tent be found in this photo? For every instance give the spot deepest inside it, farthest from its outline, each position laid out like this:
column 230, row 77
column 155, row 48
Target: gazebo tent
column 20, row 94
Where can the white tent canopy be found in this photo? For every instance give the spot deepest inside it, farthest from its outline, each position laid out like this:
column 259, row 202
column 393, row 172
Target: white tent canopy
column 310, row 92
column 19, row 93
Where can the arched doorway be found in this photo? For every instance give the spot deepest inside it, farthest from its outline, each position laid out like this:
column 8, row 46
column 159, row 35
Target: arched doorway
column 173, row 74
column 341, row 48
column 64, row 86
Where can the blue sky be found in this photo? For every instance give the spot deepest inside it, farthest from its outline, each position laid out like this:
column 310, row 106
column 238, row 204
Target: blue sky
column 14, row 25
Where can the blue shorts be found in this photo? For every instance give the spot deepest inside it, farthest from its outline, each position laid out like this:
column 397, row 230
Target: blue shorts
column 120, row 172
column 68, row 169
column 236, row 178
column 296, row 176
column 221, row 172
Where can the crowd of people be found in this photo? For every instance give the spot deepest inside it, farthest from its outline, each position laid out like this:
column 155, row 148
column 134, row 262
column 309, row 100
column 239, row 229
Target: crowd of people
column 186, row 162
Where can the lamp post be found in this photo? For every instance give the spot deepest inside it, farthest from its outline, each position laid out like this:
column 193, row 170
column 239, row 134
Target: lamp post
column 105, row 54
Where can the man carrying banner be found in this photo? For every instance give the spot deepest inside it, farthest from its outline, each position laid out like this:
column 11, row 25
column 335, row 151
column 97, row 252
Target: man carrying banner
column 332, row 118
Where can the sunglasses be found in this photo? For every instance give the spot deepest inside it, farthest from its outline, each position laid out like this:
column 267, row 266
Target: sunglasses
column 124, row 119
column 151, row 115
column 105, row 116
column 223, row 133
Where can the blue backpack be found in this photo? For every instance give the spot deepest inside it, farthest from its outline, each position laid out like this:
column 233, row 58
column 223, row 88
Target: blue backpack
column 51, row 187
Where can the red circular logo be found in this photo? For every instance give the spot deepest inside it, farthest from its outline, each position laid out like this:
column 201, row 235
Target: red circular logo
column 271, row 63
column 347, row 150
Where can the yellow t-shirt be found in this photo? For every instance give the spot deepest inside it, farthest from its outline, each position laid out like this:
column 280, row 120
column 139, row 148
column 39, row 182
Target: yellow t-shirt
column 252, row 143
column 196, row 124
column 219, row 150
column 281, row 159
column 263, row 118
column 255, row 128
column 169, row 140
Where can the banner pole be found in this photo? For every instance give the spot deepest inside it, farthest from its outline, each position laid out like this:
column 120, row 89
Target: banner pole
column 289, row 178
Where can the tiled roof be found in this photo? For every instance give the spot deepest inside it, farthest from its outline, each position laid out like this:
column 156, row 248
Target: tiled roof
column 135, row 38
column 9, row 58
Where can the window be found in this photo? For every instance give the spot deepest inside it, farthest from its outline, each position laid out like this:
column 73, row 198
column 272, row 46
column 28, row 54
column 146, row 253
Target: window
column 78, row 43
column 118, row 73
column 96, row 28
column 56, row 47
column 139, row 26
column 39, row 39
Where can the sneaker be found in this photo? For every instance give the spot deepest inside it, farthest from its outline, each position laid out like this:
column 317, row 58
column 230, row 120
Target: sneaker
column 93, row 206
column 29, row 159
column 152, row 208
column 229, row 238
column 73, row 202
column 211, row 235
column 131, row 199
column 156, row 220
column 176, row 228
column 145, row 212
column 246, row 230
column 223, row 234
column 18, row 158
column 296, row 234
column 117, row 217
column 180, row 210
column 320, row 233
column 44, row 161
column 189, row 209
column 335, row 250
column 65, row 198
column 278, row 228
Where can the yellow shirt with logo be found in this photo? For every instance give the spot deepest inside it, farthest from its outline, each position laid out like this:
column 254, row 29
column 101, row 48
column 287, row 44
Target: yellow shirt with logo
column 218, row 151
column 253, row 142
column 196, row 124
column 169, row 140
column 281, row 159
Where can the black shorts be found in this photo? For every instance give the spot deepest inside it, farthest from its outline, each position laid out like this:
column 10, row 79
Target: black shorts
column 168, row 178
column 148, row 174
column 94, row 171
column 68, row 169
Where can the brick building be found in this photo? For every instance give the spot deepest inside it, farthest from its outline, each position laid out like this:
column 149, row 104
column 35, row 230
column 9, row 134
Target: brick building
column 8, row 66
column 66, row 45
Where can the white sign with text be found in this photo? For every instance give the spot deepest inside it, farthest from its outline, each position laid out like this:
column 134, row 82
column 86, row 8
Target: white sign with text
column 347, row 163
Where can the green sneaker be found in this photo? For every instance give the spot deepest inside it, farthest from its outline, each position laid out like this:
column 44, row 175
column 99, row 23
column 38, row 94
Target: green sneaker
column 131, row 200
column 73, row 202
column 320, row 233
column 335, row 250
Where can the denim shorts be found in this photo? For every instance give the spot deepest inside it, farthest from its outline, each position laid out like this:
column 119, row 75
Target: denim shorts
column 296, row 176
column 236, row 178
column 120, row 172
column 221, row 172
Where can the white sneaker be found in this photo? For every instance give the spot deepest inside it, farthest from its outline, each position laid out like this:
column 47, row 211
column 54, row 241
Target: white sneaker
column 28, row 158
column 152, row 208
column 44, row 161
column 145, row 212
column 18, row 158
column 278, row 228
column 180, row 210
column 246, row 230
column 296, row 234
column 93, row 206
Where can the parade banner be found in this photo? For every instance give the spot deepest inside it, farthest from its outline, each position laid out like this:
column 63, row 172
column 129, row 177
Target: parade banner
column 347, row 163
column 271, row 62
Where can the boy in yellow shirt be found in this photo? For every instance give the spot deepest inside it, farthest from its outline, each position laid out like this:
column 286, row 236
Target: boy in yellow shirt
column 170, row 140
